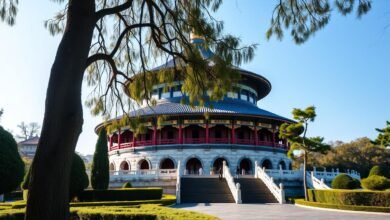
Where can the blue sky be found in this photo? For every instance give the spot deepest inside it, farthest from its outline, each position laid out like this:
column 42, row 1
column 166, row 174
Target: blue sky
column 344, row 70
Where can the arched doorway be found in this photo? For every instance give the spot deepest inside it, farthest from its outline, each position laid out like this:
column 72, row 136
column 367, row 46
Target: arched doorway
column 193, row 166
column 245, row 166
column 144, row 165
column 112, row 167
column 124, row 166
column 267, row 164
column 167, row 163
column 218, row 163
column 282, row 165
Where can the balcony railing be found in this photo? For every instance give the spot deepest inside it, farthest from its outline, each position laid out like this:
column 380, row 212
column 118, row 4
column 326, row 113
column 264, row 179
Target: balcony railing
column 201, row 140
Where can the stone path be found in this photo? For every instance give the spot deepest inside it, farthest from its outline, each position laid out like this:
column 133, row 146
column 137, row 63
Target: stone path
column 230, row 211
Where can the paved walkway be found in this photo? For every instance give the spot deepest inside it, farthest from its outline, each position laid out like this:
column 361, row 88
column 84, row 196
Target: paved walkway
column 227, row 211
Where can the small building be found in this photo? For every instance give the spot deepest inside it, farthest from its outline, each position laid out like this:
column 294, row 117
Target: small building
column 27, row 148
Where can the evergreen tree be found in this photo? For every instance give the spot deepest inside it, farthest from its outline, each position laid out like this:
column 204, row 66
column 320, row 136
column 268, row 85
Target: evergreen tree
column 11, row 164
column 383, row 138
column 100, row 175
column 296, row 134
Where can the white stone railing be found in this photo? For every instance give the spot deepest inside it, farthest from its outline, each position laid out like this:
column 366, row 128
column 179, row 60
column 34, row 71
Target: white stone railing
column 314, row 182
column 178, row 184
column 128, row 175
column 298, row 174
column 277, row 191
column 234, row 188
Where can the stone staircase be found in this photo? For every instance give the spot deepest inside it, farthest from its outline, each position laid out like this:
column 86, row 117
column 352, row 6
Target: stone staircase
column 254, row 191
column 205, row 190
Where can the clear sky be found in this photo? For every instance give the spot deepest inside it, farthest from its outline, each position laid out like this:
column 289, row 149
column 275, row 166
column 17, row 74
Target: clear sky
column 344, row 70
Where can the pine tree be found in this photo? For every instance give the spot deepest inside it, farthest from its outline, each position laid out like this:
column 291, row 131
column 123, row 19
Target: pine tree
column 296, row 135
column 383, row 138
column 100, row 176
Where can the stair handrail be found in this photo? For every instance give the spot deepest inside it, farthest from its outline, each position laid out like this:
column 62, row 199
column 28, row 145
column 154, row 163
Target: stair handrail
column 315, row 182
column 235, row 189
column 277, row 191
column 178, row 184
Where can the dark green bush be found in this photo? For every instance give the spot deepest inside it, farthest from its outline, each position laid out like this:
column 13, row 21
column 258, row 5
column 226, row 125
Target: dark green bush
column 128, row 194
column 375, row 182
column 78, row 177
column 127, row 185
column 344, row 181
column 379, row 171
column 100, row 176
column 350, row 197
column 11, row 164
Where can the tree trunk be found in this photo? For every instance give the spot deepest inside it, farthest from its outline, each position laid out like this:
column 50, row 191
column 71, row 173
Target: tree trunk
column 304, row 174
column 48, row 196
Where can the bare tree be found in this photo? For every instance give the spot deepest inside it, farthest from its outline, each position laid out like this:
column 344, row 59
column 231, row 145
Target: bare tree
column 28, row 130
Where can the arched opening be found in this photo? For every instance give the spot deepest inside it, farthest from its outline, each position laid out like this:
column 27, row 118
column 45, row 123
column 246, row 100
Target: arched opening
column 112, row 166
column 218, row 163
column 267, row 164
column 124, row 166
column 193, row 166
column 167, row 163
column 143, row 165
column 245, row 166
column 282, row 165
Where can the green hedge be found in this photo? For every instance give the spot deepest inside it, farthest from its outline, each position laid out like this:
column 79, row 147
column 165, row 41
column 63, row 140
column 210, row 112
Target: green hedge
column 375, row 182
column 120, row 213
column 343, row 207
column 344, row 181
column 128, row 194
column 350, row 197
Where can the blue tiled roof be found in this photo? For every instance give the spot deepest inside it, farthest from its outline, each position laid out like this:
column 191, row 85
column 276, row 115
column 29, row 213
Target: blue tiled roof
column 225, row 107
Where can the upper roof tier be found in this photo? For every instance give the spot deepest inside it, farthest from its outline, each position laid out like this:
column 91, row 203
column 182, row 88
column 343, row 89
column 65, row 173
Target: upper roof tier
column 253, row 80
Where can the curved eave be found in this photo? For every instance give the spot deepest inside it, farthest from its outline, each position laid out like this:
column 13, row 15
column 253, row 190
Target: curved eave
column 229, row 107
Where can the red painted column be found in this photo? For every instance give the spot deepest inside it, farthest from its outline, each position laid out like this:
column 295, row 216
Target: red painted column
column 256, row 137
column 180, row 134
column 233, row 132
column 119, row 138
column 273, row 138
column 134, row 140
column 207, row 133
column 155, row 135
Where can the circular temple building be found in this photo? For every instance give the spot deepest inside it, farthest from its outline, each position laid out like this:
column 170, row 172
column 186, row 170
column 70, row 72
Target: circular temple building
column 235, row 130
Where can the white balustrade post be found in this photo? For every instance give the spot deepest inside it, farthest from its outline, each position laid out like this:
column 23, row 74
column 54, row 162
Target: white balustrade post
column 282, row 199
column 256, row 164
column 280, row 171
column 223, row 169
column 337, row 171
column 332, row 172
column 324, row 171
column 1, row 197
column 178, row 184
column 238, row 186
column 314, row 171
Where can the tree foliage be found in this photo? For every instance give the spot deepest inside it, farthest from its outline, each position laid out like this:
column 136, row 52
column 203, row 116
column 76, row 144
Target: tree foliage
column 295, row 133
column 383, row 138
column 11, row 164
column 305, row 17
column 100, row 176
column 360, row 155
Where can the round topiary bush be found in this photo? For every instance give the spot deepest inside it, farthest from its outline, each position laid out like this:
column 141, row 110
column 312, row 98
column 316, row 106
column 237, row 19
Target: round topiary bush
column 376, row 182
column 11, row 164
column 127, row 185
column 78, row 177
column 379, row 171
column 344, row 181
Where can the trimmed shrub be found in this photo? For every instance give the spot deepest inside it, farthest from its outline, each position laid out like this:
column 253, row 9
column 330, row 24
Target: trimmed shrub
column 375, row 182
column 350, row 197
column 78, row 177
column 100, row 176
column 379, row 171
column 344, row 181
column 11, row 164
column 343, row 207
column 129, row 194
column 127, row 185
